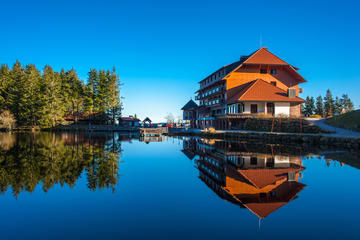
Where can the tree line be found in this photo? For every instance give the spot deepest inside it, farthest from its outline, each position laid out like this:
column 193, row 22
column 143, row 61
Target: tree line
column 327, row 106
column 47, row 97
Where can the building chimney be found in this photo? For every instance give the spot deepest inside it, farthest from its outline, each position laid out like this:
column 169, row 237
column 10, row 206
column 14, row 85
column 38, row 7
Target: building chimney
column 291, row 92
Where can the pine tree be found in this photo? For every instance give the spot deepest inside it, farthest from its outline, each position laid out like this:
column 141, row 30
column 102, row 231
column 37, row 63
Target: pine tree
column 92, row 90
column 31, row 102
column 76, row 94
column 309, row 106
column 337, row 106
column 53, row 108
column 113, row 100
column 15, row 91
column 346, row 103
column 328, row 104
column 5, row 81
column 319, row 109
column 102, row 89
column 45, row 99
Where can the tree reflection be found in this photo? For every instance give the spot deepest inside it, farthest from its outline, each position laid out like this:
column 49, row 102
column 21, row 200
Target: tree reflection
column 29, row 159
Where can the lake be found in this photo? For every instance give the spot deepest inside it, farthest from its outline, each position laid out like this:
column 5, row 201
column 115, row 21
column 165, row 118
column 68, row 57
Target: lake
column 106, row 186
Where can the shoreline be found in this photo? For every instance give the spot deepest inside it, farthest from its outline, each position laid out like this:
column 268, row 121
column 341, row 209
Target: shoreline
column 276, row 138
column 319, row 139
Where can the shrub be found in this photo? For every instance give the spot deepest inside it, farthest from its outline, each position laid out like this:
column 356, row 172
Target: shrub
column 315, row 116
column 7, row 120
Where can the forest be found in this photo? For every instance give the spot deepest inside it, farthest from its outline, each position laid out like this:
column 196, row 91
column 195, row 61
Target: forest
column 327, row 106
column 46, row 98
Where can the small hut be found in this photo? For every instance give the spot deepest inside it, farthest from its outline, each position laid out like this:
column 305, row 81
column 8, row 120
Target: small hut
column 147, row 122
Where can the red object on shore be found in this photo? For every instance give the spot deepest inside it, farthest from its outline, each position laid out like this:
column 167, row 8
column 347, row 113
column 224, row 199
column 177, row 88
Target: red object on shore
column 169, row 125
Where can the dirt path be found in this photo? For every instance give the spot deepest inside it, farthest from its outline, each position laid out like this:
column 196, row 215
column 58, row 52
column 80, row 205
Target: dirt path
column 339, row 132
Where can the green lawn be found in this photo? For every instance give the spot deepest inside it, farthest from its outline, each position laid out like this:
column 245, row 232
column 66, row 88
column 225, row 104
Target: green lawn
column 350, row 120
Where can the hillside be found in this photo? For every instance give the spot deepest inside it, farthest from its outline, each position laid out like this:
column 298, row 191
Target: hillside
column 350, row 120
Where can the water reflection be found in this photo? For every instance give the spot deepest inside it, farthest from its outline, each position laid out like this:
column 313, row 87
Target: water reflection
column 258, row 181
column 27, row 160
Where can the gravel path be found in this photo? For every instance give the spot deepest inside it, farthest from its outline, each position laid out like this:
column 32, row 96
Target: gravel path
column 339, row 132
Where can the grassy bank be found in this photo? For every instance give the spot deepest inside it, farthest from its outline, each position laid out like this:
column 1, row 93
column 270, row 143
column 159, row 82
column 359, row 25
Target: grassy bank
column 350, row 120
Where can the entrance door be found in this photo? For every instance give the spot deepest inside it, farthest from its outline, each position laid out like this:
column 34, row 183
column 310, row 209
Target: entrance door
column 270, row 108
column 253, row 108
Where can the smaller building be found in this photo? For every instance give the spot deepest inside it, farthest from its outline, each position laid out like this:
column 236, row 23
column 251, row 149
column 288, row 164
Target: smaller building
column 147, row 122
column 129, row 122
column 189, row 112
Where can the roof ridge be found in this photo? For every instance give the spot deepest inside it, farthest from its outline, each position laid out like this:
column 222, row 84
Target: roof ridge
column 247, row 85
column 252, row 85
column 264, row 48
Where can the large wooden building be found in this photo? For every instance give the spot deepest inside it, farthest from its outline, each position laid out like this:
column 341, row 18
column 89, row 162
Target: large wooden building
column 258, row 84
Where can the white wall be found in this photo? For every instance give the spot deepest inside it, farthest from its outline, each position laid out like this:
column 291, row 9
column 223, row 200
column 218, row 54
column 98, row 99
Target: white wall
column 261, row 107
column 281, row 161
column 282, row 108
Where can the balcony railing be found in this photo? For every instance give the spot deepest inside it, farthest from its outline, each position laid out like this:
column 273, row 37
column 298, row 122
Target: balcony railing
column 212, row 93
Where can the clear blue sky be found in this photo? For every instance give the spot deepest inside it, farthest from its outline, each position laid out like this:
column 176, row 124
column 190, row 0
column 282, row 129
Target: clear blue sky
column 161, row 49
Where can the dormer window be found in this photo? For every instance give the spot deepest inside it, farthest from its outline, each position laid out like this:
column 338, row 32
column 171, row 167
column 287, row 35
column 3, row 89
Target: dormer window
column 263, row 71
column 273, row 71
column 273, row 83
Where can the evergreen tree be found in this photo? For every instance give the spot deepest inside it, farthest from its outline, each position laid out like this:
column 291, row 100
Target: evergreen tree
column 328, row 104
column 337, row 106
column 16, row 76
column 92, row 83
column 346, row 103
column 319, row 109
column 30, row 103
column 309, row 106
column 4, row 83
column 45, row 99
column 53, row 108
column 76, row 94
column 113, row 91
column 102, row 90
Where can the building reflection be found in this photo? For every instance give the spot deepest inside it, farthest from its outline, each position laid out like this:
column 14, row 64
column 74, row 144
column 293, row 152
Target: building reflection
column 254, row 179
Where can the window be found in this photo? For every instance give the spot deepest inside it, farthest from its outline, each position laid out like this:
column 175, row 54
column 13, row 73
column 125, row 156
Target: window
column 273, row 83
column 263, row 71
column 253, row 160
column 253, row 108
column 273, row 71
column 240, row 108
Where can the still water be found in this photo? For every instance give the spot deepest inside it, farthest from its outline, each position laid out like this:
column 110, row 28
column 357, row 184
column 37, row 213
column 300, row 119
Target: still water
column 104, row 186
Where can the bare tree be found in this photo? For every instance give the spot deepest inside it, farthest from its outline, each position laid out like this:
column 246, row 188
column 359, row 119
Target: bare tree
column 7, row 120
column 170, row 118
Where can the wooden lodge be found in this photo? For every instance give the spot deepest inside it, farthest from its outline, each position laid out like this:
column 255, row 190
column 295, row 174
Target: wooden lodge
column 258, row 84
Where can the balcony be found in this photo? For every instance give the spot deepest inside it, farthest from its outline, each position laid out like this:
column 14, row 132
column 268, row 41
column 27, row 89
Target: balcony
column 214, row 102
column 210, row 93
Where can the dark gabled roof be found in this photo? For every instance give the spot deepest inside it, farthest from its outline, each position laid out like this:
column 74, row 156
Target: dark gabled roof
column 230, row 67
column 129, row 119
column 190, row 105
column 147, row 119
